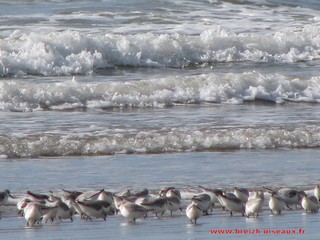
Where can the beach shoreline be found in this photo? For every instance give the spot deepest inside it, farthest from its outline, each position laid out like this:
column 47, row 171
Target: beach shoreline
column 230, row 168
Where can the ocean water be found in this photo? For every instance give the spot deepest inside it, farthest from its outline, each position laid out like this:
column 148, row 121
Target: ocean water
column 133, row 94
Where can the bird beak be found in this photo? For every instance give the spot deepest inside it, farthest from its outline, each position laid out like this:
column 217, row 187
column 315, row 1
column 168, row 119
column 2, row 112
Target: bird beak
column 13, row 197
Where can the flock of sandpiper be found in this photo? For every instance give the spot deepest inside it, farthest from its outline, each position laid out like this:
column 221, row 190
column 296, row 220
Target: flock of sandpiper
column 38, row 208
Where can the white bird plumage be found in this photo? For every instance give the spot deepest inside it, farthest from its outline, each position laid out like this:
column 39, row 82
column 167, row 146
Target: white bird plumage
column 254, row 204
column 310, row 204
column 193, row 212
column 276, row 204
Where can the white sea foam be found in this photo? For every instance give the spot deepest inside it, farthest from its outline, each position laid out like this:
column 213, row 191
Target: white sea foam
column 230, row 88
column 137, row 60
column 154, row 141
column 71, row 52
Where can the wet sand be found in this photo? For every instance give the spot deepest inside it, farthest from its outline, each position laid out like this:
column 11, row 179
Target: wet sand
column 290, row 225
column 294, row 168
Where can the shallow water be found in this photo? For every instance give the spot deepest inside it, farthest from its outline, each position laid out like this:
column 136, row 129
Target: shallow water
column 133, row 94
column 172, row 228
column 251, row 169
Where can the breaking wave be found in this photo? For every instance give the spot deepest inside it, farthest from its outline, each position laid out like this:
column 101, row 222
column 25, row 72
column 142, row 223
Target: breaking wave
column 230, row 88
column 159, row 141
column 72, row 52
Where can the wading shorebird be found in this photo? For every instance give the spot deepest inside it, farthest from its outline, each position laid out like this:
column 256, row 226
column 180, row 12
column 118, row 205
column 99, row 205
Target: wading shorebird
column 94, row 209
column 204, row 202
column 101, row 195
column 63, row 209
column 193, row 212
column 211, row 192
column 133, row 195
column 163, row 192
column 4, row 197
column 289, row 195
column 33, row 212
column 173, row 204
column 22, row 204
column 105, row 196
column 67, row 194
column 316, row 192
column 157, row 205
column 64, row 212
column 173, row 193
column 310, row 204
column 37, row 197
column 173, row 197
column 132, row 211
column 276, row 204
column 241, row 193
column 233, row 204
column 50, row 215
column 254, row 204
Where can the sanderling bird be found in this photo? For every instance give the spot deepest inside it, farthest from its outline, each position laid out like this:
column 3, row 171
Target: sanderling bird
column 173, row 193
column 74, row 206
column 254, row 204
column 224, row 193
column 22, row 204
column 133, row 195
column 63, row 210
column 310, row 204
column 132, row 211
column 105, row 196
column 276, row 204
column 33, row 212
column 90, row 195
column 118, row 200
column 193, row 212
column 204, row 202
column 4, row 196
column 156, row 205
column 233, row 204
column 67, row 194
column 50, row 215
column 211, row 192
column 174, row 204
column 173, row 200
column 316, row 192
column 99, row 195
column 36, row 197
column 163, row 191
column 241, row 193
column 94, row 209
column 291, row 196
